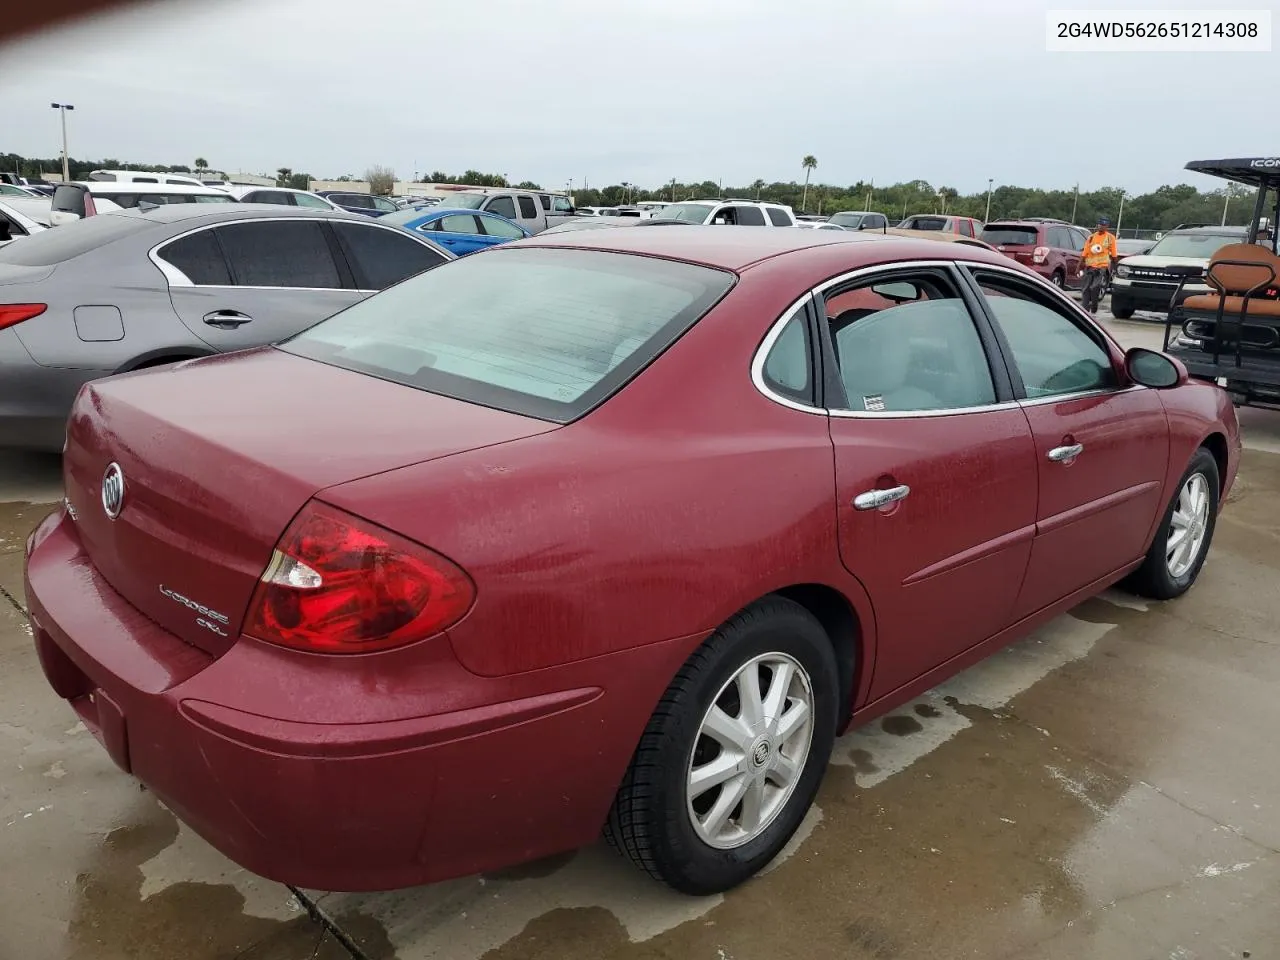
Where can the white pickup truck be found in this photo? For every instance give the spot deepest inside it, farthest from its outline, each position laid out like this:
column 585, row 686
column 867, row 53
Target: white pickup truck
column 533, row 211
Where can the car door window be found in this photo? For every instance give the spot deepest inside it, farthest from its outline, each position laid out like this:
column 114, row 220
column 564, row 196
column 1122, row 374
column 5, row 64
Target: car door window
column 279, row 253
column 381, row 256
column 503, row 207
column 787, row 369
column 385, row 205
column 528, row 209
column 497, row 227
column 748, row 216
column 199, row 258
column 905, row 343
column 278, row 197
column 966, row 228
column 1059, row 238
column 458, row 223
column 307, row 200
column 778, row 217
column 1052, row 351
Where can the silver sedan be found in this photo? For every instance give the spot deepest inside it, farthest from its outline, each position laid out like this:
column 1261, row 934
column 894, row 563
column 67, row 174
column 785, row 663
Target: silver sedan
column 140, row 288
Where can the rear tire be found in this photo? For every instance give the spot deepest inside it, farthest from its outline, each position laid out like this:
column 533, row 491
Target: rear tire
column 701, row 831
column 1058, row 279
column 1189, row 522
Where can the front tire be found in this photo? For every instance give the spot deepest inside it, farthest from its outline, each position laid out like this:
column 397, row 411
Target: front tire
column 732, row 757
column 1121, row 310
column 1181, row 544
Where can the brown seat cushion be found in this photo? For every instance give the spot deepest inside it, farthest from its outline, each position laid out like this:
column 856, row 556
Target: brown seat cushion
column 1208, row 303
column 1254, row 268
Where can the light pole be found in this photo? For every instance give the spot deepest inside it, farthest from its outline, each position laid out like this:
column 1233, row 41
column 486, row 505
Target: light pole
column 1227, row 203
column 1120, row 215
column 990, row 182
column 62, row 108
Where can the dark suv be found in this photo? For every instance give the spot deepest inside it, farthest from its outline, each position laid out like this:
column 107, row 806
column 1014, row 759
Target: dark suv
column 1049, row 247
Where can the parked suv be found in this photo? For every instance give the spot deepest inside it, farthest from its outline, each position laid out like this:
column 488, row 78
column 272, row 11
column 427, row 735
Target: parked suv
column 961, row 226
column 365, row 203
column 1148, row 281
column 738, row 213
column 1051, row 248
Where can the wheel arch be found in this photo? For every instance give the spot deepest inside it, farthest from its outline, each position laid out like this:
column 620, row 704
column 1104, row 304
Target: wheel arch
column 153, row 358
column 1216, row 444
column 843, row 627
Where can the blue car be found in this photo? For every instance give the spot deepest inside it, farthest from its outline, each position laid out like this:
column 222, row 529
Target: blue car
column 458, row 231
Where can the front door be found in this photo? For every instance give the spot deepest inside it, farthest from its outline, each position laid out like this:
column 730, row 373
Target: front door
column 935, row 468
column 1102, row 448
column 256, row 282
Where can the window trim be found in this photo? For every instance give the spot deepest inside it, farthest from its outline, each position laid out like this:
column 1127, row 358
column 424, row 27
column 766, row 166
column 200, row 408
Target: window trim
column 176, row 278
column 961, row 268
column 1074, row 315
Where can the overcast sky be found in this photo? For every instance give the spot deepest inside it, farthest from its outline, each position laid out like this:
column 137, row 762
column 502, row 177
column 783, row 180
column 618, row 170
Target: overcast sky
column 637, row 90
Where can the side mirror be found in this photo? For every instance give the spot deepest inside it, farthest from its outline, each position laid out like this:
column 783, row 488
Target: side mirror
column 1149, row 368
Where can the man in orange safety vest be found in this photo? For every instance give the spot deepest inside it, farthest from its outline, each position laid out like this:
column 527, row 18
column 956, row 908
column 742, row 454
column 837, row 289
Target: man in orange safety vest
column 1099, row 253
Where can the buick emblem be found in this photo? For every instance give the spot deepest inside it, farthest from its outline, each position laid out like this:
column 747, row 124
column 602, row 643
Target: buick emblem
column 113, row 490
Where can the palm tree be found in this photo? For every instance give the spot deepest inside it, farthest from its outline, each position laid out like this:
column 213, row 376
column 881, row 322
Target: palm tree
column 810, row 163
column 283, row 174
column 758, row 185
column 201, row 164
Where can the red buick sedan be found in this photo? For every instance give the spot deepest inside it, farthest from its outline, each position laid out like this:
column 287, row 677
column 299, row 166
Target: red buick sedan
column 598, row 531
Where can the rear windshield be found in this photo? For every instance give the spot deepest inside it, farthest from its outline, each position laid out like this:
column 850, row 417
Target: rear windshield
column 927, row 223
column 49, row 247
column 468, row 201
column 543, row 333
column 1010, row 236
column 1202, row 245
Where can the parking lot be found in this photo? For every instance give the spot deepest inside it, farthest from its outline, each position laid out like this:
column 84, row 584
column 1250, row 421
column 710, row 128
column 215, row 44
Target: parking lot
column 1106, row 788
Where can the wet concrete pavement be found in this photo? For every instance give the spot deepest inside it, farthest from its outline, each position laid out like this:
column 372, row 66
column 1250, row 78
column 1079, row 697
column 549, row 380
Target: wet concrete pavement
column 1104, row 789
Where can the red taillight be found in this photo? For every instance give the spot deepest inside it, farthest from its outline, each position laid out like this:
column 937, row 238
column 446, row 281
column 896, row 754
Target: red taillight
column 339, row 584
column 1040, row 254
column 12, row 314
column 90, row 208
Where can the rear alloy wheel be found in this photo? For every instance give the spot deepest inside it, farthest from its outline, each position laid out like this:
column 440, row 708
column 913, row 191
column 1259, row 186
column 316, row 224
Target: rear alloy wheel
column 1181, row 544
column 1058, row 279
column 734, row 753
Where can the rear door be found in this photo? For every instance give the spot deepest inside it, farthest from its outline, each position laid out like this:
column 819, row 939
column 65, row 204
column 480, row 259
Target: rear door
column 1102, row 447
column 497, row 230
column 935, row 466
column 246, row 284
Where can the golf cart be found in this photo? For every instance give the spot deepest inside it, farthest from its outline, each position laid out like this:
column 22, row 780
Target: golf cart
column 1232, row 333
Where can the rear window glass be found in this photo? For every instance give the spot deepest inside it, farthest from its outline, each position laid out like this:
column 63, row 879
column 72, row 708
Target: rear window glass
column 71, row 240
column 1010, row 236
column 544, row 333
column 927, row 223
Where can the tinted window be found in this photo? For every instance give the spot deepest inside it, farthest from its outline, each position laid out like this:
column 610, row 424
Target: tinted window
column 545, row 201
column 269, row 196
column 547, row 333
column 503, row 207
column 283, row 253
column 908, row 344
column 778, row 217
column 528, row 209
column 144, row 179
column 199, row 257
column 927, row 223
column 355, row 200
column 307, row 200
column 1052, row 353
column 380, row 257
column 1002, row 236
column 966, row 228
column 69, row 199
column 787, row 368
column 458, row 223
column 62, row 243
column 496, row 227
column 749, row 216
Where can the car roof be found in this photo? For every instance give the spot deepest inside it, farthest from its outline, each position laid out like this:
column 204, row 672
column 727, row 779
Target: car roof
column 128, row 186
column 736, row 248
column 1212, row 231
column 206, row 212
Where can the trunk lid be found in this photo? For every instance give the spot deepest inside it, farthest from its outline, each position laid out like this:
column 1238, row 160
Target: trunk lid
column 218, row 455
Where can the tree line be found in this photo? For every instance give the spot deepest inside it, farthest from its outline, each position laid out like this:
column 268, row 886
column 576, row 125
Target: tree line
column 1161, row 209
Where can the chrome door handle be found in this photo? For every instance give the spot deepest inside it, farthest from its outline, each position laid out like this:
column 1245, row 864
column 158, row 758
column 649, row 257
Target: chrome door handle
column 875, row 499
column 1063, row 454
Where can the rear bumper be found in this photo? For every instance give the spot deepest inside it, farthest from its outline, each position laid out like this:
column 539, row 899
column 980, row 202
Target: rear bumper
column 297, row 768
column 35, row 400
